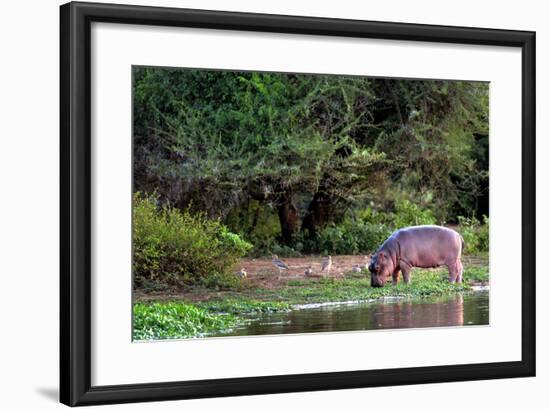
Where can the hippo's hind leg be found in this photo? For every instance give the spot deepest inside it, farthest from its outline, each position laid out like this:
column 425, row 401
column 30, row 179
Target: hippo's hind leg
column 455, row 271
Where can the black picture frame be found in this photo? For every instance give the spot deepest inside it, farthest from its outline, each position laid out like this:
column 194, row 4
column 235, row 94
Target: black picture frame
column 75, row 203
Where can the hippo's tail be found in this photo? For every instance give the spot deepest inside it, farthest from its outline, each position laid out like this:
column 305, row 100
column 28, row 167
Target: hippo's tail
column 462, row 245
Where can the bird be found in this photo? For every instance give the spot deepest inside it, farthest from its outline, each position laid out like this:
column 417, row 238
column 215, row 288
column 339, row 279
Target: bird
column 309, row 271
column 327, row 265
column 367, row 262
column 242, row 273
column 356, row 268
column 280, row 264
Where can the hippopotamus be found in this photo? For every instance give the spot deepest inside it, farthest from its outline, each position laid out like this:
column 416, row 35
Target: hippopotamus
column 417, row 246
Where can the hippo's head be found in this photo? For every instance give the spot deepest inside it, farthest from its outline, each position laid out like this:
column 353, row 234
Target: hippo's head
column 380, row 267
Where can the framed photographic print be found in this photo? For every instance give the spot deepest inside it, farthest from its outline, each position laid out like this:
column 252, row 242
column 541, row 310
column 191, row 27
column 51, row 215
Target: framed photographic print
column 262, row 203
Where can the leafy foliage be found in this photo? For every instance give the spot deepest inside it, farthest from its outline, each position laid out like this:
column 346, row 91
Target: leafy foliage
column 216, row 138
column 179, row 248
column 360, row 235
column 306, row 151
column 410, row 214
column 475, row 234
column 176, row 320
column 352, row 238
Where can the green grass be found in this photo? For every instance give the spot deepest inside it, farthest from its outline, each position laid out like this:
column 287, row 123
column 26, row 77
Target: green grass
column 476, row 274
column 427, row 283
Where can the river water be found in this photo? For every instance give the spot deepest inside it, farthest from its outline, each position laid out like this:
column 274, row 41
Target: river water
column 456, row 310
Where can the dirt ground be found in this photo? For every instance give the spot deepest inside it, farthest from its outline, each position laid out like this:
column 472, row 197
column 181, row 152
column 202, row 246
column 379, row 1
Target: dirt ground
column 263, row 273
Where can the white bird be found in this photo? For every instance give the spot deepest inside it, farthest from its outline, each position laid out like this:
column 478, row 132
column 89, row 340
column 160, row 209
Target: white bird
column 309, row 271
column 280, row 264
column 327, row 265
column 367, row 262
column 356, row 268
column 242, row 273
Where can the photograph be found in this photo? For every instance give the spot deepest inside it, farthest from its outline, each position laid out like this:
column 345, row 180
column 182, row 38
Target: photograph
column 273, row 203
column 266, row 205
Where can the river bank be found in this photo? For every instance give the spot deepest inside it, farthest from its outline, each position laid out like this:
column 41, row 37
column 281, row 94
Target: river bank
column 159, row 315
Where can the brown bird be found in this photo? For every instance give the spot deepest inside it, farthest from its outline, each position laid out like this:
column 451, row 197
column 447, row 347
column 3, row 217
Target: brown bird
column 280, row 264
column 327, row 265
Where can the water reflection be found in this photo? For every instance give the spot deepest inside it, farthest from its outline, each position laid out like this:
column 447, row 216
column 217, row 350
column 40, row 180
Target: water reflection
column 457, row 310
column 409, row 315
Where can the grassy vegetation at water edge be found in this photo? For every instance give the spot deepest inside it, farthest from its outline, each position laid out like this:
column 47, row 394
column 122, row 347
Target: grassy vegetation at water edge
column 176, row 320
column 425, row 283
column 225, row 310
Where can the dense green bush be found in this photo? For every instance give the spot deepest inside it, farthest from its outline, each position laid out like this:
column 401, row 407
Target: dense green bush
column 475, row 234
column 349, row 237
column 410, row 214
column 364, row 233
column 176, row 247
column 483, row 238
column 371, row 229
column 352, row 238
column 406, row 214
column 359, row 235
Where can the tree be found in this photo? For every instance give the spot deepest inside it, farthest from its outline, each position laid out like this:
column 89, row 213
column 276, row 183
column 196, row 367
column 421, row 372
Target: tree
column 310, row 147
column 435, row 137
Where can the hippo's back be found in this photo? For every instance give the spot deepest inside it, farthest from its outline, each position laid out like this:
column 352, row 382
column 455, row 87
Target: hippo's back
column 428, row 246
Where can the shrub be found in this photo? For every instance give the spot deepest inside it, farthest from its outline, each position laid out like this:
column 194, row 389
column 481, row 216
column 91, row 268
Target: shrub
column 371, row 215
column 410, row 214
column 352, row 237
column 406, row 214
column 176, row 247
column 367, row 232
column 475, row 234
column 287, row 251
column 483, row 243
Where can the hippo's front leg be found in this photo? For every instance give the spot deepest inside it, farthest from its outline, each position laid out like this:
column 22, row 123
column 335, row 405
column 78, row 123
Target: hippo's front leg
column 406, row 269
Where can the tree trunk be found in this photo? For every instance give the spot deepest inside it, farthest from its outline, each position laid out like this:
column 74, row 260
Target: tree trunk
column 255, row 218
column 288, row 216
column 318, row 213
